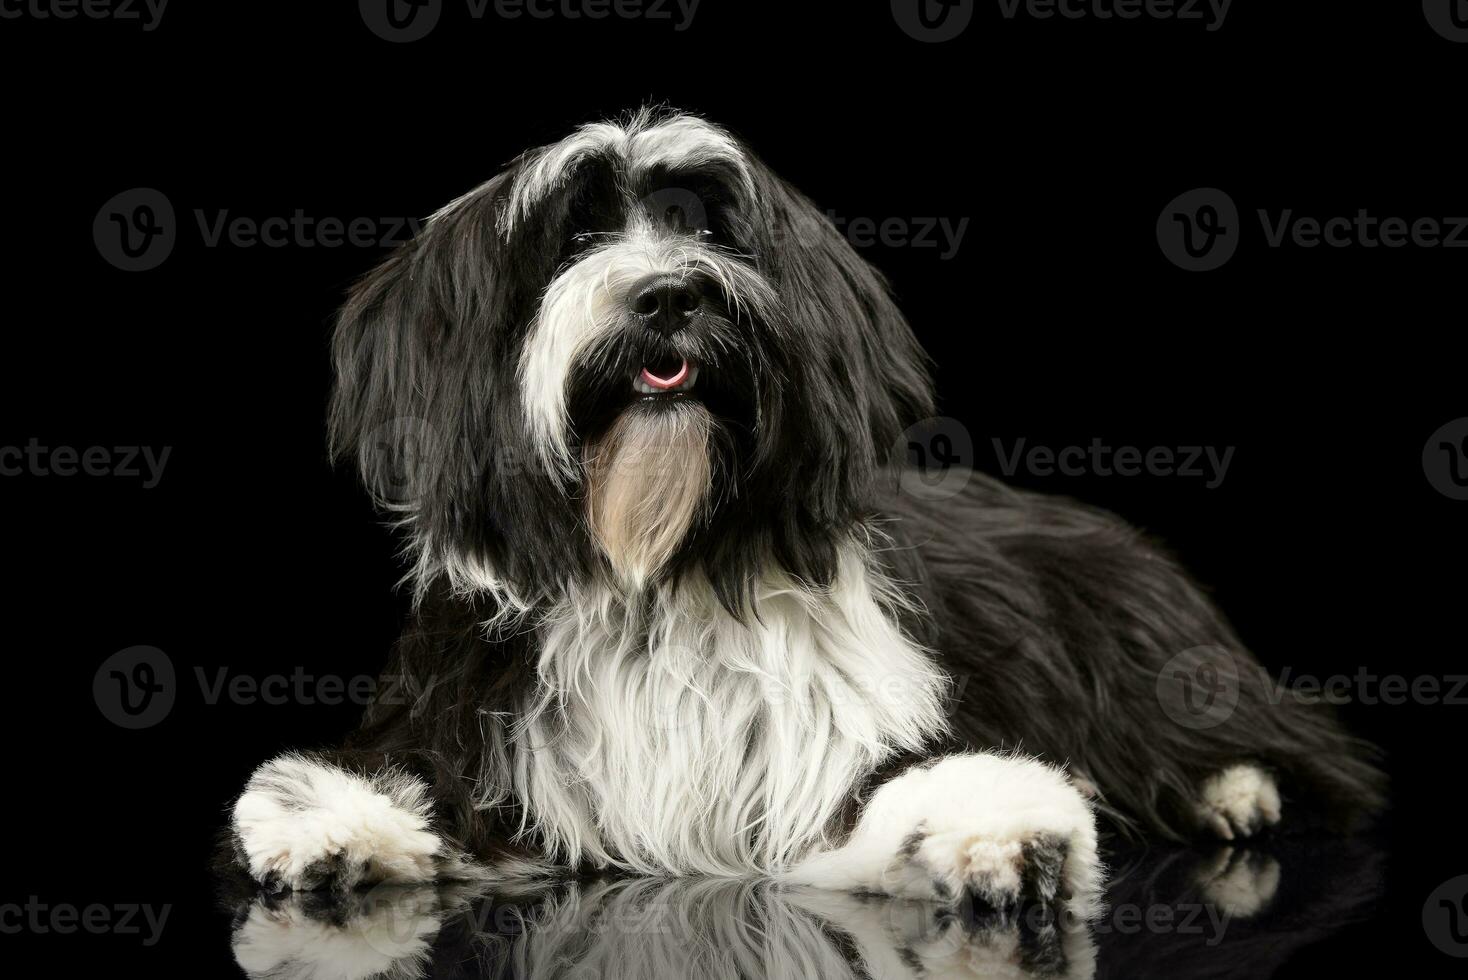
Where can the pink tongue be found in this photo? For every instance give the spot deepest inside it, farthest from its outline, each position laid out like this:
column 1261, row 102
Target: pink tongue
column 665, row 383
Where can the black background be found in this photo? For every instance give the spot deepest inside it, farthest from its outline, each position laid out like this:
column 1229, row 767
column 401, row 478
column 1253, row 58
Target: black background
column 1059, row 320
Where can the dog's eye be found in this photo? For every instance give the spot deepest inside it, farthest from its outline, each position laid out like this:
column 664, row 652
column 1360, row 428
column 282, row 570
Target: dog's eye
column 583, row 240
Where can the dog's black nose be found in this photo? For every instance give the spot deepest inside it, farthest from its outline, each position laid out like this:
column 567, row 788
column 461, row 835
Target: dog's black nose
column 666, row 301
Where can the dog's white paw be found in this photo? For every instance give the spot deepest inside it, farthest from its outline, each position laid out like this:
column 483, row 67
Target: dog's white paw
column 998, row 830
column 303, row 823
column 998, row 871
column 1238, row 802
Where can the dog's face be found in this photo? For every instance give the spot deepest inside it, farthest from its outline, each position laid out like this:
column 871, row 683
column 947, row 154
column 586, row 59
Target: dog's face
column 633, row 354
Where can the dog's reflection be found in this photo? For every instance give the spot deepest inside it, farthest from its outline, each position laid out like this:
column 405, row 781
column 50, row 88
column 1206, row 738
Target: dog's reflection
column 687, row 929
column 1229, row 912
column 387, row 933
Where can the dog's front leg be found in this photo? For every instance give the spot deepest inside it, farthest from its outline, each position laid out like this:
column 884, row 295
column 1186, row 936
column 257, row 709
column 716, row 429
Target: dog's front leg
column 311, row 821
column 996, row 829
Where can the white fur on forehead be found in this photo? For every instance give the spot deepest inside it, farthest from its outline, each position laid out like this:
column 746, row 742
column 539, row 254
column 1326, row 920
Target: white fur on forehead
column 644, row 141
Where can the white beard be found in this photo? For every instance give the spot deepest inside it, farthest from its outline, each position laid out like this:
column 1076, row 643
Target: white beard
column 669, row 737
column 648, row 481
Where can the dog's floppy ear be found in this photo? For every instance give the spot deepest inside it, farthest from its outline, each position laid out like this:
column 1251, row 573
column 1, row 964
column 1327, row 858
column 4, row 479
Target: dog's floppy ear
column 860, row 372
column 388, row 335
column 426, row 357
column 430, row 306
column 411, row 347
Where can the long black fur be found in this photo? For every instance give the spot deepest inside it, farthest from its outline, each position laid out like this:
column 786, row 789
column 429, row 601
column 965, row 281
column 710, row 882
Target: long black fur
column 1057, row 620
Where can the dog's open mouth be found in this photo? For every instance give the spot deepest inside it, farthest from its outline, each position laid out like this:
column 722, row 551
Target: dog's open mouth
column 665, row 376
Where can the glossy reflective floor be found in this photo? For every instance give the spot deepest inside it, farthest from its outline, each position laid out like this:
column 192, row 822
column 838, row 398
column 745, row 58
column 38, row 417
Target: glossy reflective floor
column 1230, row 912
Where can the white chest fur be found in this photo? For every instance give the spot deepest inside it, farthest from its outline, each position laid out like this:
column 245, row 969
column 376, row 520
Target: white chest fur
column 680, row 740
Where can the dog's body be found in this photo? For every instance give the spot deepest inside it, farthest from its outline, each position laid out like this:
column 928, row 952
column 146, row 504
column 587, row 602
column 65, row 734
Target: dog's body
column 679, row 614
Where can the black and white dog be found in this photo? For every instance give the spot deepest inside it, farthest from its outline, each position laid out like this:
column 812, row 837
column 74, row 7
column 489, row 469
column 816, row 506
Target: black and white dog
column 634, row 401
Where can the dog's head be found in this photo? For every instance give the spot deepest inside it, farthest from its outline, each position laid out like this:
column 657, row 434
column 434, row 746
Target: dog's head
column 633, row 354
